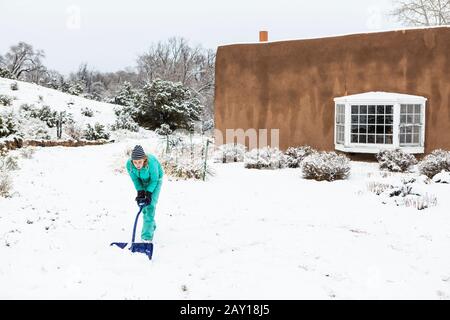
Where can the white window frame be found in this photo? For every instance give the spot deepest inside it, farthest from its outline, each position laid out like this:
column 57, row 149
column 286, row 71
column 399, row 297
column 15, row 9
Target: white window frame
column 336, row 123
column 348, row 146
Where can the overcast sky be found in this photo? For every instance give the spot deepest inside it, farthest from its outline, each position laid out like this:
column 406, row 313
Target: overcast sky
column 109, row 34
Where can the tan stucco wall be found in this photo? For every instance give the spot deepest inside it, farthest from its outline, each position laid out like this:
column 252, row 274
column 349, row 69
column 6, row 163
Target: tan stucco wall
column 290, row 85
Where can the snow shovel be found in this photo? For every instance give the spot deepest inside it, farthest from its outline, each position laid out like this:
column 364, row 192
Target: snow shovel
column 142, row 247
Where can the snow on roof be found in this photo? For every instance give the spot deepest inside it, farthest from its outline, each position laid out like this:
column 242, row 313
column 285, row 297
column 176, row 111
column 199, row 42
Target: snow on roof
column 398, row 29
column 380, row 96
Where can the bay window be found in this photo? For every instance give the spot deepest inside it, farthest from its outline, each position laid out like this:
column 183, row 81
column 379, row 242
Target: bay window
column 369, row 122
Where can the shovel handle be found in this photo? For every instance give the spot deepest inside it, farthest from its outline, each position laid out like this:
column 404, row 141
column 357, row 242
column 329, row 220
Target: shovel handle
column 135, row 223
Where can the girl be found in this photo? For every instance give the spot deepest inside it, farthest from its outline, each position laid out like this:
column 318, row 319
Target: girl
column 147, row 174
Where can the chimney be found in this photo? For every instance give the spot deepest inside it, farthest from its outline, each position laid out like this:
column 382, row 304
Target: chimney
column 263, row 36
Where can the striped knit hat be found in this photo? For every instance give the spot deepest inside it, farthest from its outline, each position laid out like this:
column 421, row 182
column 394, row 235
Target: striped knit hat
column 138, row 153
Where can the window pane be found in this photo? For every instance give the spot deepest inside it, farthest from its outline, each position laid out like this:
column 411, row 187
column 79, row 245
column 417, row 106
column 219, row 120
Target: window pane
column 389, row 109
column 362, row 129
column 417, row 108
column 371, row 129
column 403, row 108
column 389, row 119
column 388, row 139
column 363, row 109
column 408, row 129
column 417, row 118
column 362, row 119
column 380, row 109
column 362, row 138
column 354, row 109
column 380, row 129
column 371, row 119
column 415, row 138
column 408, row 138
column 388, row 130
column 416, row 129
column 402, row 138
column 410, row 108
column 402, row 130
column 354, row 129
column 380, row 119
column 409, row 118
column 354, row 119
column 354, row 138
column 371, row 110
column 380, row 138
column 402, row 119
column 371, row 138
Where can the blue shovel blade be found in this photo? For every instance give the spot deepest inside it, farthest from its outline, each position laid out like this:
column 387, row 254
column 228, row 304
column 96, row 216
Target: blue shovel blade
column 146, row 248
column 121, row 245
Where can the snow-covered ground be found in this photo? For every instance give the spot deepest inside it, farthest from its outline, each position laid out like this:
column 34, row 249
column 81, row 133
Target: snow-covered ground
column 244, row 234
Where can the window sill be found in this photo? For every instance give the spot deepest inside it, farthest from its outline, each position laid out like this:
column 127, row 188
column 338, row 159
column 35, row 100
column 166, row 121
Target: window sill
column 376, row 148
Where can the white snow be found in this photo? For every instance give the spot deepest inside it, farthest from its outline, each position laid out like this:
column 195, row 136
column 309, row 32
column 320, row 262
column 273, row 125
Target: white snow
column 244, row 234
column 381, row 96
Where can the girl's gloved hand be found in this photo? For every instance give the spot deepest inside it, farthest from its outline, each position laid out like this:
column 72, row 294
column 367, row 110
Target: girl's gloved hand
column 140, row 195
column 148, row 195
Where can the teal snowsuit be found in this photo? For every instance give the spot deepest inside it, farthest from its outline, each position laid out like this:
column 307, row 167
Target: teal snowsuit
column 148, row 178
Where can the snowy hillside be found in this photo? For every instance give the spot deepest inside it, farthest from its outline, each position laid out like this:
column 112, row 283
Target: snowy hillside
column 29, row 98
column 30, row 93
column 244, row 234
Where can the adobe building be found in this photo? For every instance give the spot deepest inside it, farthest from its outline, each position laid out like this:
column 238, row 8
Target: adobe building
column 355, row 93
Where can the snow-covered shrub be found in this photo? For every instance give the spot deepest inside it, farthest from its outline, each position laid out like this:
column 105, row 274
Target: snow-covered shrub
column 33, row 128
column 8, row 124
column 420, row 202
column 5, row 73
column 378, row 187
column 442, row 177
column 27, row 153
column 5, row 184
column 26, row 108
column 395, row 160
column 230, row 153
column 187, row 159
column 8, row 163
column 185, row 168
column 87, row 112
column 163, row 130
column 207, row 125
column 96, row 132
column 126, row 122
column 264, row 158
column 126, row 96
column 324, row 165
column 173, row 141
column 434, row 163
column 410, row 191
column 74, row 88
column 44, row 113
column 14, row 86
column 295, row 155
column 5, row 100
column 74, row 131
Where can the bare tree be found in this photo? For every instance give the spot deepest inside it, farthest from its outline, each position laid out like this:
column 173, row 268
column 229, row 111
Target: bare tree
column 176, row 60
column 422, row 12
column 22, row 61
